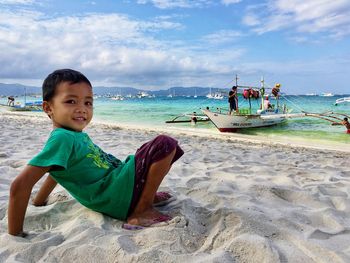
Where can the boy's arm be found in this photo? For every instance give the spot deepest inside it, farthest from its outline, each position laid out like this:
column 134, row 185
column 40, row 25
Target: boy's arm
column 44, row 191
column 337, row 123
column 20, row 191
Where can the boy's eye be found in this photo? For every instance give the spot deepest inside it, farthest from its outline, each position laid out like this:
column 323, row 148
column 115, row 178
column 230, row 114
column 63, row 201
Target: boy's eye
column 88, row 103
column 70, row 101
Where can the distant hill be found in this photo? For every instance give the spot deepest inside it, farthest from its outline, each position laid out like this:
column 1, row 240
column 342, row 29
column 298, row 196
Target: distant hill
column 19, row 90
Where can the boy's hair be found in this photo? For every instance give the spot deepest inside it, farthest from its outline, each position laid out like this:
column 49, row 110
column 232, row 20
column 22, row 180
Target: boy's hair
column 58, row 76
column 345, row 119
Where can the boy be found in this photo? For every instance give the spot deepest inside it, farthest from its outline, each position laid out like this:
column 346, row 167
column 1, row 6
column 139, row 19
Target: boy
column 99, row 181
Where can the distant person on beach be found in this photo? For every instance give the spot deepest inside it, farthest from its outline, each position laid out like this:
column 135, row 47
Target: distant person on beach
column 233, row 100
column 125, row 190
column 11, row 101
column 194, row 118
column 345, row 122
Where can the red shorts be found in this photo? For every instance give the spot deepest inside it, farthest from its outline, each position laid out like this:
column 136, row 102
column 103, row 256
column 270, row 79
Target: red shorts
column 348, row 131
column 149, row 153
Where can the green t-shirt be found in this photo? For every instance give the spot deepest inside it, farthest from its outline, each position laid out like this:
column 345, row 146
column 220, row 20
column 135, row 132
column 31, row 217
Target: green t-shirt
column 96, row 179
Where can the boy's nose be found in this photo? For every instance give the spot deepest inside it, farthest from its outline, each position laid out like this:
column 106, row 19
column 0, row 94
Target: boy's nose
column 81, row 108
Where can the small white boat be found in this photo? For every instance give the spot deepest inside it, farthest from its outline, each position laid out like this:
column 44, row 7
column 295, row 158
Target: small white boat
column 117, row 97
column 328, row 94
column 144, row 94
column 342, row 100
column 215, row 96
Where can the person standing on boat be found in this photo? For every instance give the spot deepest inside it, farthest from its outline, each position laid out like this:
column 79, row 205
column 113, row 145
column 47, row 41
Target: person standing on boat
column 233, row 99
column 267, row 104
column 345, row 122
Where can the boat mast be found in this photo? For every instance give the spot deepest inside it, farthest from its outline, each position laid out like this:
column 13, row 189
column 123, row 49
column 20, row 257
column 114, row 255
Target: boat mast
column 25, row 96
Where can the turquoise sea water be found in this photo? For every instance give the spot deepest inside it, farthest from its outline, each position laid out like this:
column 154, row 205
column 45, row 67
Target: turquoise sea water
column 155, row 111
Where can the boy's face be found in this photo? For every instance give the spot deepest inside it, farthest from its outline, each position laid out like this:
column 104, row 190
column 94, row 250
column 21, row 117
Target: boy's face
column 71, row 107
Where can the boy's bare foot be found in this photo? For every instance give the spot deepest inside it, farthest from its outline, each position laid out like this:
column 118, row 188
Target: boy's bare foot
column 148, row 218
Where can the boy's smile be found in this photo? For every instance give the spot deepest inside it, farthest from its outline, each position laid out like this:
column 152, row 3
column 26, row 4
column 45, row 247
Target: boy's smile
column 71, row 107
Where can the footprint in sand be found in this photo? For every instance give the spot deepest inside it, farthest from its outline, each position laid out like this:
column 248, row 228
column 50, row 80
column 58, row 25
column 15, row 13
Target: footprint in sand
column 319, row 234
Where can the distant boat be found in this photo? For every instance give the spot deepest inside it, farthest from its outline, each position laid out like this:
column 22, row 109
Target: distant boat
column 218, row 96
column 310, row 94
column 38, row 103
column 143, row 94
column 215, row 96
column 117, row 97
column 328, row 94
column 342, row 100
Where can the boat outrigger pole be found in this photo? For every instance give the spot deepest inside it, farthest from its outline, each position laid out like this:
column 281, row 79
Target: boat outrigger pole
column 189, row 118
column 327, row 116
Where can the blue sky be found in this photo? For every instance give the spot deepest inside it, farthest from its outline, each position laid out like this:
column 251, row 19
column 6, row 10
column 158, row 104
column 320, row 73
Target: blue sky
column 156, row 44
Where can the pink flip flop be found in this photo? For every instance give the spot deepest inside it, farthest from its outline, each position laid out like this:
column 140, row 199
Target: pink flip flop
column 159, row 219
column 165, row 198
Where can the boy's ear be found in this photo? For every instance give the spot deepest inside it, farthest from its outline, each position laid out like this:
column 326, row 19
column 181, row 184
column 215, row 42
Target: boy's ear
column 47, row 108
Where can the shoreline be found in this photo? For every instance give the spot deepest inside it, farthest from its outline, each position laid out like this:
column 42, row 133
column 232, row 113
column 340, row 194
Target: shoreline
column 240, row 138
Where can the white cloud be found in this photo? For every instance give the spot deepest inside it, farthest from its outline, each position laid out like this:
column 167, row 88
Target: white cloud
column 312, row 16
column 110, row 48
column 251, row 20
column 230, row 2
column 169, row 4
column 16, row 2
column 223, row 37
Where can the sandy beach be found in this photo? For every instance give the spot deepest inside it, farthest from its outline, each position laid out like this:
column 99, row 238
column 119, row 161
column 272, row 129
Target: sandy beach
column 238, row 200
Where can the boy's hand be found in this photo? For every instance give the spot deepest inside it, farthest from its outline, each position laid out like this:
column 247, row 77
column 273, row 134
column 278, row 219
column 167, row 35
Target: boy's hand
column 42, row 195
column 32, row 200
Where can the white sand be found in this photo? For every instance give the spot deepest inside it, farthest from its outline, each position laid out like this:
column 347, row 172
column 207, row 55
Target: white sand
column 245, row 201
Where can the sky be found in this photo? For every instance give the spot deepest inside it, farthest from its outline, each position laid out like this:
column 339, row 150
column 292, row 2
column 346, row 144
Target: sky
column 157, row 44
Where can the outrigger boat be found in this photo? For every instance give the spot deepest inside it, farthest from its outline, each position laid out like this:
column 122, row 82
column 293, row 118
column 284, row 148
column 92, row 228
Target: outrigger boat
column 263, row 117
column 245, row 118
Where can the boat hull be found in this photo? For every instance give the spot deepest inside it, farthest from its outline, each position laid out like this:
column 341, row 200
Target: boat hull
column 342, row 100
column 232, row 123
column 16, row 108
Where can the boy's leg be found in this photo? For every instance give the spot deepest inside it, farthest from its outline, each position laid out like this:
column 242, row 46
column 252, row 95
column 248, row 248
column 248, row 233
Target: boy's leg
column 144, row 213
